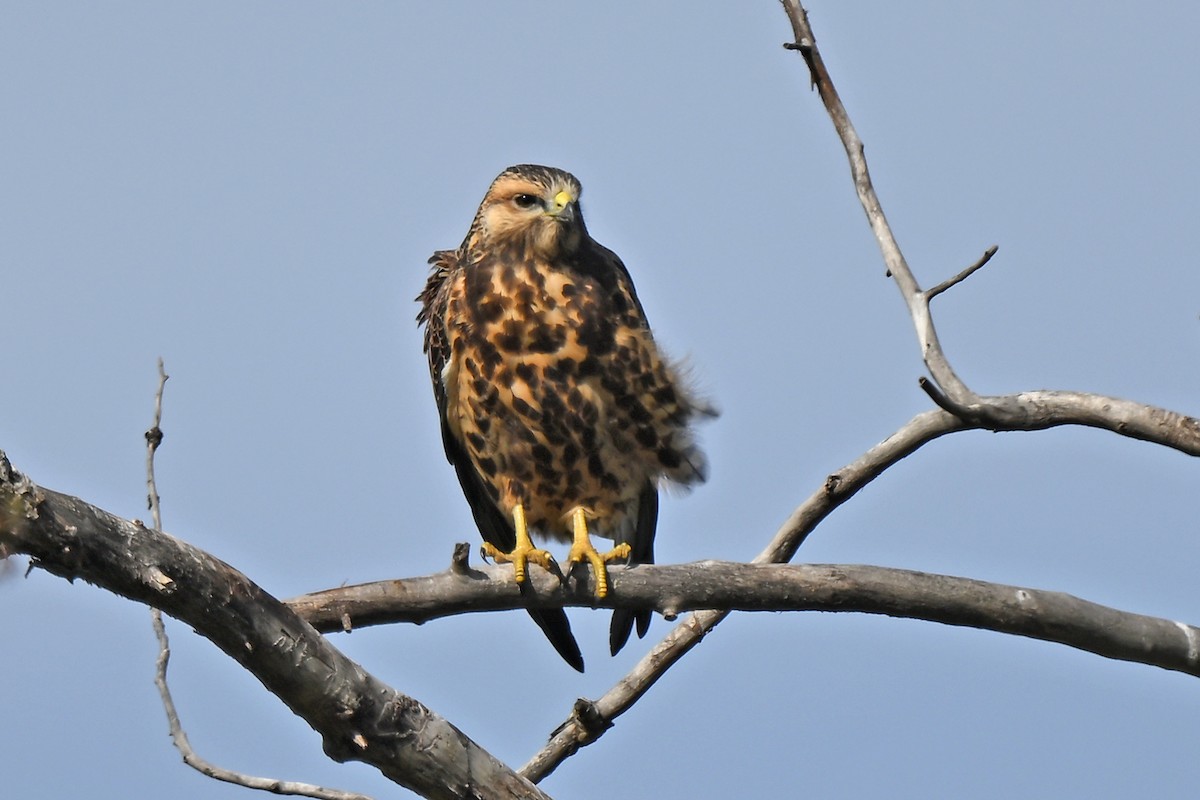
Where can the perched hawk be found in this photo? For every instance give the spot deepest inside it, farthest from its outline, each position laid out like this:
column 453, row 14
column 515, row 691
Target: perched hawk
column 558, row 412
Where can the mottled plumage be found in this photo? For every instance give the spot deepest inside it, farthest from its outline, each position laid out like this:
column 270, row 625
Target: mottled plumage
column 558, row 412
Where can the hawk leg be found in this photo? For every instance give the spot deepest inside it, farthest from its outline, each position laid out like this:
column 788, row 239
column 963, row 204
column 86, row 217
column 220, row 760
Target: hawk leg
column 523, row 552
column 582, row 549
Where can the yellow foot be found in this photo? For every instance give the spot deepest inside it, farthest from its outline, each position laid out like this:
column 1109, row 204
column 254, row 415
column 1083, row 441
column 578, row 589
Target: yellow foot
column 582, row 550
column 524, row 551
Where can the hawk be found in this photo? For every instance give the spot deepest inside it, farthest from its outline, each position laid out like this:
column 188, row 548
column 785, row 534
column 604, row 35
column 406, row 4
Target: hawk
column 558, row 411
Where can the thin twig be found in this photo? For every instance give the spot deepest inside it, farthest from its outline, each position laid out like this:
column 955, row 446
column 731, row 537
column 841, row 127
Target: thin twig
column 962, row 276
column 179, row 737
column 935, row 394
column 897, row 267
column 154, row 437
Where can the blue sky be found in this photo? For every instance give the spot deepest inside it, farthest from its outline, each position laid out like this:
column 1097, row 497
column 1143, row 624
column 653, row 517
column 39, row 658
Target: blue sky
column 251, row 191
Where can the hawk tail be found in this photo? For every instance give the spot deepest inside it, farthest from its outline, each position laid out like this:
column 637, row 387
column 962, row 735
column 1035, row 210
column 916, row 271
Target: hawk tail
column 622, row 625
column 623, row 619
column 553, row 622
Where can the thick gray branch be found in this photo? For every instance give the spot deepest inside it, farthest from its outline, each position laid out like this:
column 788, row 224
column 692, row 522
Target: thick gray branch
column 726, row 586
column 359, row 717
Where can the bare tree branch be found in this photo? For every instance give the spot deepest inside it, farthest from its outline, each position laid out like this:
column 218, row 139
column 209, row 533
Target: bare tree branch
column 359, row 717
column 897, row 267
column 727, row 586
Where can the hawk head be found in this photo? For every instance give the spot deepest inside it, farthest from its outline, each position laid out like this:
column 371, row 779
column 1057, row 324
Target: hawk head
column 533, row 208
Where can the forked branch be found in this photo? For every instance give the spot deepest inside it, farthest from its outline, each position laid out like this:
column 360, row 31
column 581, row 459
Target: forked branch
column 359, row 717
column 154, row 438
column 897, row 266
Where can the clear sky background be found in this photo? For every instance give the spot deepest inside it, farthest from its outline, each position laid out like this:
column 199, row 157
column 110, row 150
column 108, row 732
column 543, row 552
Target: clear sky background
column 251, row 190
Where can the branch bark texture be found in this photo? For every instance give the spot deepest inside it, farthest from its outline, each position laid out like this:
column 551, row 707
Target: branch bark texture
column 359, row 717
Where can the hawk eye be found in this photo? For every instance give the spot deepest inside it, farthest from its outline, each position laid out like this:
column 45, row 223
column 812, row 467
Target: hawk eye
column 526, row 200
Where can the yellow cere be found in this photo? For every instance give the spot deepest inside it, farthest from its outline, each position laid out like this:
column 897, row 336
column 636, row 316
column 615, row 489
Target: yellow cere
column 562, row 199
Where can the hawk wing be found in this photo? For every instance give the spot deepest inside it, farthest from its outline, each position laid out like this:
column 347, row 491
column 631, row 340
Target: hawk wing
column 493, row 525
column 639, row 536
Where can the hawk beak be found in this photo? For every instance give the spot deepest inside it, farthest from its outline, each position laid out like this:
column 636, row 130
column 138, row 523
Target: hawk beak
column 563, row 207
